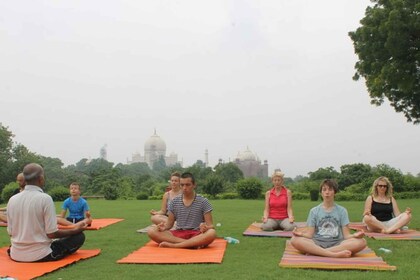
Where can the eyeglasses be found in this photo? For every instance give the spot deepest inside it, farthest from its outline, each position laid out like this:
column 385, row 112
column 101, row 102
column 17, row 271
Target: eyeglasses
column 382, row 186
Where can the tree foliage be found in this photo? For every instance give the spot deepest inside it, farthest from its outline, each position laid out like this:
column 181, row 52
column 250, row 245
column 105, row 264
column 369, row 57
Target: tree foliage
column 387, row 45
column 249, row 188
column 214, row 185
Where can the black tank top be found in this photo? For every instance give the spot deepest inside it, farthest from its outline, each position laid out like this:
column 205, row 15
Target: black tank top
column 382, row 211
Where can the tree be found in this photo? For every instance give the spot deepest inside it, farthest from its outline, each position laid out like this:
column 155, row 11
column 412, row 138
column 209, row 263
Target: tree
column 353, row 174
column 229, row 172
column 6, row 144
column 323, row 173
column 388, row 45
column 213, row 185
column 393, row 174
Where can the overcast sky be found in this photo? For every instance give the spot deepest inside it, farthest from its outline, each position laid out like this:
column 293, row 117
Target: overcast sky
column 274, row 76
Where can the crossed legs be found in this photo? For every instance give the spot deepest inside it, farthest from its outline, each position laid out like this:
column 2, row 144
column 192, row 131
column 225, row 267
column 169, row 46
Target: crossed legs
column 167, row 239
column 345, row 249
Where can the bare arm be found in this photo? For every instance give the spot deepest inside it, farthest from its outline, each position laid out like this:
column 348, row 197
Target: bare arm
column 63, row 213
column 395, row 208
column 208, row 222
column 266, row 206
column 163, row 208
column 289, row 206
column 67, row 232
column 368, row 206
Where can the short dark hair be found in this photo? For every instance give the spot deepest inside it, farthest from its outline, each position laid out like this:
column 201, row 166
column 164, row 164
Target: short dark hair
column 186, row 175
column 332, row 184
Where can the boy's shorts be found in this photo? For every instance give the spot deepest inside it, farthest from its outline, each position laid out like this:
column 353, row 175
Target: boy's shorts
column 185, row 233
column 74, row 220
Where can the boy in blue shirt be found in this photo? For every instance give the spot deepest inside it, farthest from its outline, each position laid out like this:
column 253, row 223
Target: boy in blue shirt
column 77, row 206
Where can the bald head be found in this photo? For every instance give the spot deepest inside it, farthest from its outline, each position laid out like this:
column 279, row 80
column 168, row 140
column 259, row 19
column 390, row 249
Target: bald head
column 21, row 181
column 33, row 174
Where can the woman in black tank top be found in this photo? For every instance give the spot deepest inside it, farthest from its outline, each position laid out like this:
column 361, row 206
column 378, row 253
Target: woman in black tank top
column 381, row 210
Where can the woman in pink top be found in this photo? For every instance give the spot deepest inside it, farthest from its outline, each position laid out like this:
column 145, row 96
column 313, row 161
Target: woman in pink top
column 278, row 212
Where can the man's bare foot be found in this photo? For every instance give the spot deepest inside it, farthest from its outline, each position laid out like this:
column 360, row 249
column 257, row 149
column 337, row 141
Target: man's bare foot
column 387, row 231
column 167, row 245
column 343, row 254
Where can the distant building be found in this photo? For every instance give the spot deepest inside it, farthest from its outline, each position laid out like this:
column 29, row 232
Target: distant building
column 154, row 149
column 251, row 165
column 103, row 153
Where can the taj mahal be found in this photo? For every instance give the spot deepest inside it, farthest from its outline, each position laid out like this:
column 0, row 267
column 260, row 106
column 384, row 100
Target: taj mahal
column 155, row 149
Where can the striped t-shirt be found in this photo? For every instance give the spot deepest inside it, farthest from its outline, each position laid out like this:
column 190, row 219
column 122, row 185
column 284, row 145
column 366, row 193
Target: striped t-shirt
column 192, row 216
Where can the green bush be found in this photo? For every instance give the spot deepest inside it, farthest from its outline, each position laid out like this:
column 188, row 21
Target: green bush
column 7, row 191
column 59, row 193
column 155, row 197
column 227, row 195
column 300, row 196
column 110, row 192
column 213, row 186
column 346, row 196
column 407, row 195
column 142, row 196
column 249, row 188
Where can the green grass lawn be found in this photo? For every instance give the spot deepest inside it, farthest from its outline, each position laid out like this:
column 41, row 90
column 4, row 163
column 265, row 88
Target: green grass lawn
column 253, row 258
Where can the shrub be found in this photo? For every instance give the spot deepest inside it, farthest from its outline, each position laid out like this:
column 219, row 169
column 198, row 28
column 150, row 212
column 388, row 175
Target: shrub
column 8, row 191
column 227, row 195
column 110, row 192
column 155, row 197
column 142, row 196
column 59, row 193
column 300, row 196
column 407, row 195
column 213, row 186
column 249, row 188
column 346, row 196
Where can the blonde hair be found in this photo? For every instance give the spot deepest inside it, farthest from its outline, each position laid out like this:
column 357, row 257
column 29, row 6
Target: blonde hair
column 278, row 173
column 389, row 189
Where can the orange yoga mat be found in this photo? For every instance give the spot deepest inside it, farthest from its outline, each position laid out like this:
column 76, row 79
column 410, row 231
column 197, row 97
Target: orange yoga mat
column 364, row 260
column 151, row 253
column 22, row 271
column 255, row 230
column 408, row 234
column 96, row 223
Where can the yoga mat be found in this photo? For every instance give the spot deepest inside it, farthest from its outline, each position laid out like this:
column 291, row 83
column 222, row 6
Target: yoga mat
column 255, row 230
column 364, row 260
column 22, row 271
column 97, row 223
column 408, row 234
column 151, row 253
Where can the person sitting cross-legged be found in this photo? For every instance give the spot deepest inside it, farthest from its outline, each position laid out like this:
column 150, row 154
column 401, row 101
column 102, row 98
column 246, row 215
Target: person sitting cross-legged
column 327, row 233
column 193, row 216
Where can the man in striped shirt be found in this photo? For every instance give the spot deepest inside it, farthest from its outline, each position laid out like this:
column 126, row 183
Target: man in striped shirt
column 194, row 221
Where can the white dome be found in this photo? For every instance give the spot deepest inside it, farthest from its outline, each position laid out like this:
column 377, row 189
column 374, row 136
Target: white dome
column 246, row 155
column 155, row 143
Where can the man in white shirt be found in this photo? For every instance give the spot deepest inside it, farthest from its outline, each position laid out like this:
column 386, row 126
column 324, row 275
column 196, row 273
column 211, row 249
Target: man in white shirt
column 32, row 223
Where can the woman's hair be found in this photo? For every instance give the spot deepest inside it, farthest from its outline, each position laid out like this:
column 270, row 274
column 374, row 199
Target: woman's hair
column 176, row 174
column 332, row 184
column 277, row 173
column 389, row 189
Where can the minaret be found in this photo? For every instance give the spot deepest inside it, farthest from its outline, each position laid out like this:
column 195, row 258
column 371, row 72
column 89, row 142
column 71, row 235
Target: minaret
column 103, row 153
column 206, row 157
